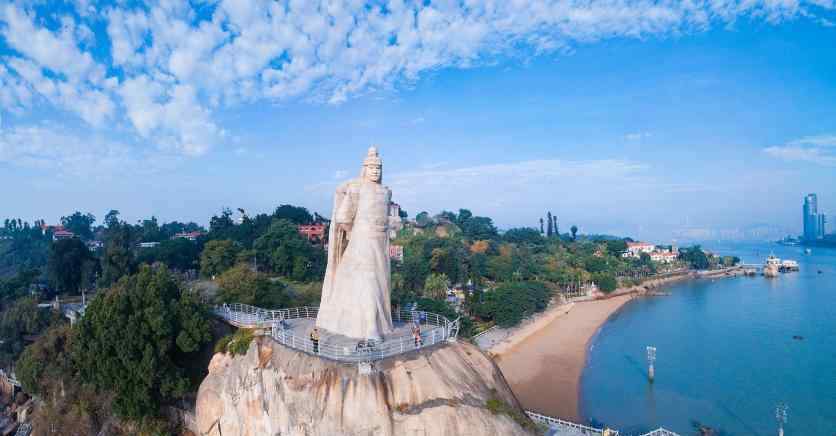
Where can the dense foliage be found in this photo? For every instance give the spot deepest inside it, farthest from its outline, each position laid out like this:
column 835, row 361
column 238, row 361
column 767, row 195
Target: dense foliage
column 71, row 265
column 20, row 320
column 241, row 284
column 283, row 251
column 134, row 340
column 509, row 303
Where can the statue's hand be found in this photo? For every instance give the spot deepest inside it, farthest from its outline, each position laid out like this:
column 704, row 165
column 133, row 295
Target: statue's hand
column 346, row 227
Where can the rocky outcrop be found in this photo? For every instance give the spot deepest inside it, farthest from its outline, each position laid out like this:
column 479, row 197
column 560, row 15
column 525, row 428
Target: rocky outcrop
column 273, row 390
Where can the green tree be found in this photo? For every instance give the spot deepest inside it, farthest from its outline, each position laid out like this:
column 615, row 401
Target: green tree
column 574, row 230
column 695, row 257
column 135, row 340
column 616, row 247
column 595, row 264
column 294, row 214
column 436, row 286
column 479, row 228
column 524, row 235
column 240, row 284
column 606, row 282
column 23, row 318
column 46, row 363
column 423, row 219
column 150, row 230
column 550, row 228
column 70, row 265
column 287, row 253
column 80, row 224
column 178, row 254
column 118, row 260
column 509, row 303
column 463, row 216
column 217, row 257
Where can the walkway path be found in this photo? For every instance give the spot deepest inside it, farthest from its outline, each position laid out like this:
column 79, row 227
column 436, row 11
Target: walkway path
column 292, row 328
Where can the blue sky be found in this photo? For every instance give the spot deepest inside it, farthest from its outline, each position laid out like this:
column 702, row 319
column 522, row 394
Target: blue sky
column 659, row 120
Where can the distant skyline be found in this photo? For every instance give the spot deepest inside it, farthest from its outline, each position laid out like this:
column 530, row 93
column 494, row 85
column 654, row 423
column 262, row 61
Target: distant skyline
column 652, row 120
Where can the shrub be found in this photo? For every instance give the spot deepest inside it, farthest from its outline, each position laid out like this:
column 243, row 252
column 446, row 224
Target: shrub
column 236, row 343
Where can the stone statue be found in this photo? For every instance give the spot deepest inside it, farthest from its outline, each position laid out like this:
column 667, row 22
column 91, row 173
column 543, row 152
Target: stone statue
column 356, row 292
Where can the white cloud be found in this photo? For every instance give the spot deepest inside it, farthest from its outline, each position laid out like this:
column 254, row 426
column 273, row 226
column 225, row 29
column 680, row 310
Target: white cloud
column 812, row 149
column 636, row 136
column 64, row 152
column 176, row 63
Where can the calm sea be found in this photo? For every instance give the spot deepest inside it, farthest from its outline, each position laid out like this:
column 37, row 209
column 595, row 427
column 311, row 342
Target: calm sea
column 725, row 353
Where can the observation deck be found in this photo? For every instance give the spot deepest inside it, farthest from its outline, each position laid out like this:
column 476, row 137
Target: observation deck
column 292, row 328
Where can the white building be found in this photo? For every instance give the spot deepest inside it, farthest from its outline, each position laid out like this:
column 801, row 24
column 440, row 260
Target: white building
column 635, row 249
column 663, row 256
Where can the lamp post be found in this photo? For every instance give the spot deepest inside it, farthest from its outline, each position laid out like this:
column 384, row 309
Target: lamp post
column 651, row 358
column 781, row 417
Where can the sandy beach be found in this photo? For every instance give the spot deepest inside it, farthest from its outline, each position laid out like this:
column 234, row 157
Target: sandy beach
column 544, row 369
column 543, row 361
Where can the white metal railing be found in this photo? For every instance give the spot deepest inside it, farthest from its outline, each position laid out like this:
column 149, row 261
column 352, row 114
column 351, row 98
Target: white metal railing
column 568, row 426
column 661, row 432
column 438, row 330
column 475, row 337
column 24, row 429
column 579, row 429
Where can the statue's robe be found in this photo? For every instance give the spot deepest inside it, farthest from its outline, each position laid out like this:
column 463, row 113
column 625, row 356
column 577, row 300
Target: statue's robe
column 356, row 291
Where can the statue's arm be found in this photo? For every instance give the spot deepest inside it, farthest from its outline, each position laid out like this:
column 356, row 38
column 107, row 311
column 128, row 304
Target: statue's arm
column 347, row 208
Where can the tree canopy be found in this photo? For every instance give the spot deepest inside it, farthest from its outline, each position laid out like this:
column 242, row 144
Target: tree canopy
column 134, row 340
column 241, row 284
column 71, row 265
column 217, row 257
column 80, row 224
column 285, row 252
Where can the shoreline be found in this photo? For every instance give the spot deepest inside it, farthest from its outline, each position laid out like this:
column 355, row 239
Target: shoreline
column 544, row 361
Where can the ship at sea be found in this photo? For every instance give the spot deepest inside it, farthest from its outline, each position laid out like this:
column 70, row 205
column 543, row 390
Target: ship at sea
column 772, row 266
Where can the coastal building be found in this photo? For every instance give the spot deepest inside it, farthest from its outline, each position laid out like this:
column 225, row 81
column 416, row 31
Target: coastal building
column 148, row 244
column 663, row 256
column 815, row 223
column 635, row 249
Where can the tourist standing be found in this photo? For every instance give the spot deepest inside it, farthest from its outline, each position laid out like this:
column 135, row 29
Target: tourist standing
column 315, row 340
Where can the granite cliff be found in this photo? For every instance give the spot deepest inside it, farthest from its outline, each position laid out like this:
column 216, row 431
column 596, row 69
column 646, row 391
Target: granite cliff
column 273, row 390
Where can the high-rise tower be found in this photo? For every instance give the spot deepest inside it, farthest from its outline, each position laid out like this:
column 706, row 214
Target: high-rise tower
column 810, row 217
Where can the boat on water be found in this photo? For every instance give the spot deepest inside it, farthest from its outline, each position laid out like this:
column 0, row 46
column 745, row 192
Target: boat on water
column 788, row 266
column 772, row 266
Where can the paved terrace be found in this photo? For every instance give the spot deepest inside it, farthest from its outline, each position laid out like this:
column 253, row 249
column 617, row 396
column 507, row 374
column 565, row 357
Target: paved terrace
column 292, row 328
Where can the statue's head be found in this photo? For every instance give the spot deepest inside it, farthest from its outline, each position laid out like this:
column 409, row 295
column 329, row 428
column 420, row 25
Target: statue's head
column 372, row 167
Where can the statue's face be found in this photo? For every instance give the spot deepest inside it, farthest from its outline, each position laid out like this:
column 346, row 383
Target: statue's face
column 374, row 173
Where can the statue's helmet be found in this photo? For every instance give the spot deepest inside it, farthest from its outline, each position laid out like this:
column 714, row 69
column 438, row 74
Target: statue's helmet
column 372, row 158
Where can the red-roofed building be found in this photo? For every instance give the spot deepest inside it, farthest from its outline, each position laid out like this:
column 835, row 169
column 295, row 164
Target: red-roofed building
column 314, row 232
column 62, row 234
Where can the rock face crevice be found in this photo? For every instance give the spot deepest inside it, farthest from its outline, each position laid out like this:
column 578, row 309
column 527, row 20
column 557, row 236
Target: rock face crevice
column 274, row 390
